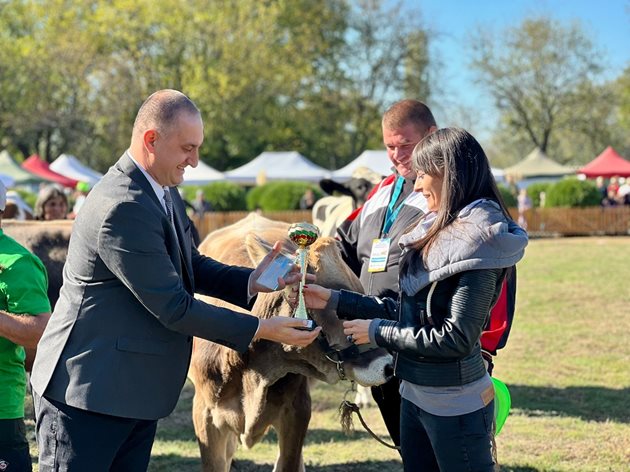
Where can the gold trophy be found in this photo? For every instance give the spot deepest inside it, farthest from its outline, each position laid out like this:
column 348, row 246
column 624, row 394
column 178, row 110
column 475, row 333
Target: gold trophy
column 303, row 234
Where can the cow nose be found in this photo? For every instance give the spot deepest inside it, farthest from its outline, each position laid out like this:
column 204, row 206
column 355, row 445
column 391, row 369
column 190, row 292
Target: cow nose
column 389, row 371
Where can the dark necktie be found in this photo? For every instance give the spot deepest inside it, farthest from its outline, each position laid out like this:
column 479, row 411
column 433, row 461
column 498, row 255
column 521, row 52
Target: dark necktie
column 171, row 216
column 169, row 207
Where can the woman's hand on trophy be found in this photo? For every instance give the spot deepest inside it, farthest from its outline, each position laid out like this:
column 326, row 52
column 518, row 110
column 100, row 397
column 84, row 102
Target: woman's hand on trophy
column 292, row 292
column 316, row 296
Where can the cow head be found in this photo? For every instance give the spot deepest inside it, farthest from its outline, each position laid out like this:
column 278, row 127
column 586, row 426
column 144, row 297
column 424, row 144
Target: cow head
column 356, row 188
column 333, row 357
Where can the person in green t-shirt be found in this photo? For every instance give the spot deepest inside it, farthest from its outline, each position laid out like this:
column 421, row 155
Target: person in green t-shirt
column 24, row 312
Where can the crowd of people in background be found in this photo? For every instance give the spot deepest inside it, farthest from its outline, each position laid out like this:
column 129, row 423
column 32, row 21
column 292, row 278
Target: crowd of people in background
column 55, row 202
column 52, row 203
column 614, row 192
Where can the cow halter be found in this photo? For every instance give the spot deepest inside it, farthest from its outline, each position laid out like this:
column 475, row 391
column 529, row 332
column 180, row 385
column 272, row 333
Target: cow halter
column 339, row 356
column 336, row 356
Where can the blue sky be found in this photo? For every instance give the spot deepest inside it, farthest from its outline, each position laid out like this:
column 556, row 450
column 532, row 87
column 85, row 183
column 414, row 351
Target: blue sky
column 606, row 21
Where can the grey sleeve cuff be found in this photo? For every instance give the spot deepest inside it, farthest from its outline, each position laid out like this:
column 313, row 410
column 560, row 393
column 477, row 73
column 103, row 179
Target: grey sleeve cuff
column 333, row 301
column 372, row 331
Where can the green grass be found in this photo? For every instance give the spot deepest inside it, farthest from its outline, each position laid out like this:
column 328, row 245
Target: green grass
column 567, row 367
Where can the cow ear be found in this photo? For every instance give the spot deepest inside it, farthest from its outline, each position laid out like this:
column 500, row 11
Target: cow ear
column 330, row 187
column 257, row 248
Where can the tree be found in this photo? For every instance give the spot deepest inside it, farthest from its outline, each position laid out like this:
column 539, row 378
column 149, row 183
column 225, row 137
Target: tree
column 594, row 126
column 537, row 73
column 597, row 121
column 385, row 59
column 311, row 76
column 44, row 94
column 621, row 88
column 250, row 60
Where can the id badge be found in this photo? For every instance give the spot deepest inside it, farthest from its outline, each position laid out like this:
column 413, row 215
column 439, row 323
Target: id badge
column 379, row 254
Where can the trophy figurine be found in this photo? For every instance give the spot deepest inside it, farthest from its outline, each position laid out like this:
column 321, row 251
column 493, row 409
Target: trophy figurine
column 303, row 234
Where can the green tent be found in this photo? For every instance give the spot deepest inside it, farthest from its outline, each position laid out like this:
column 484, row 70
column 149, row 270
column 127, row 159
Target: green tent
column 11, row 168
column 537, row 165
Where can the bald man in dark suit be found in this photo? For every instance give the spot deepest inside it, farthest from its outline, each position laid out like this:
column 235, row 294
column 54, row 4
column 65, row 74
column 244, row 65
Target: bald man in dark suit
column 115, row 354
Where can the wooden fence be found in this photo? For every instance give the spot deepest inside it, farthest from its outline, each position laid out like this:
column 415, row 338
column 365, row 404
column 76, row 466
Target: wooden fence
column 541, row 222
column 592, row 221
column 216, row 220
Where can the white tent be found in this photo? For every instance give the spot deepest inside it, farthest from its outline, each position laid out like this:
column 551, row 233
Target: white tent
column 201, row 175
column 71, row 167
column 379, row 162
column 277, row 166
column 374, row 160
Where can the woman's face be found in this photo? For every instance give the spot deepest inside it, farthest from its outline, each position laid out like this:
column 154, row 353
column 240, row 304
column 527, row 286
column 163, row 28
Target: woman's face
column 55, row 209
column 431, row 188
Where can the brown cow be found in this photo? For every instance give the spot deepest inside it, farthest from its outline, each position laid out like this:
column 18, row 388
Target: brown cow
column 48, row 240
column 238, row 397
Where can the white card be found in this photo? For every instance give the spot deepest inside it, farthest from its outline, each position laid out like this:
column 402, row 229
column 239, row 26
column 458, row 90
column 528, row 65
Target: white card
column 279, row 267
column 379, row 254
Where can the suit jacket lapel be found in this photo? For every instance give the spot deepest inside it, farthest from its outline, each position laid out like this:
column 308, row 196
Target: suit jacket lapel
column 127, row 166
column 182, row 256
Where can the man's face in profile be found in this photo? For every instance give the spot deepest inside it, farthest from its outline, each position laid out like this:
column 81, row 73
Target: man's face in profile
column 400, row 143
column 175, row 149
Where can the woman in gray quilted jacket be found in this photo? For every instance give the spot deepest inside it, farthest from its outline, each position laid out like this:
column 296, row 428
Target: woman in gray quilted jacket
column 454, row 261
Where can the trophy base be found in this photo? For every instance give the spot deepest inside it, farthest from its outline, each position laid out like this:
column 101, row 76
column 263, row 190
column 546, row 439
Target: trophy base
column 310, row 327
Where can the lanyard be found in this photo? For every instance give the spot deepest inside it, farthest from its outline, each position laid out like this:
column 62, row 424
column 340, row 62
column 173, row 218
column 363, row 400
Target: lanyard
column 392, row 213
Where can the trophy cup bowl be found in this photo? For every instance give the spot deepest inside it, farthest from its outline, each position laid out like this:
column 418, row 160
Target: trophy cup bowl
column 303, row 234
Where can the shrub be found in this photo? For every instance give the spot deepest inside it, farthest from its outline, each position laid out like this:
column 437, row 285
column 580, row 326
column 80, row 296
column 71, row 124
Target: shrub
column 534, row 190
column 508, row 197
column 252, row 199
column 223, row 195
column 573, row 193
column 278, row 196
column 188, row 191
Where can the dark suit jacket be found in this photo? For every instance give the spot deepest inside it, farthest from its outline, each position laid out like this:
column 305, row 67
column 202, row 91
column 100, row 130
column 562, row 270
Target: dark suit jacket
column 119, row 340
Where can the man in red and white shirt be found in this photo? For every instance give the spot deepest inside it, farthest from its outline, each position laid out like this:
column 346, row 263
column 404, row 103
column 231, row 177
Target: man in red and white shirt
column 369, row 238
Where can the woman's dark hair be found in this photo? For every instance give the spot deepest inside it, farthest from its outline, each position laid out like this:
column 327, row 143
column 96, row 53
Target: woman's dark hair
column 456, row 156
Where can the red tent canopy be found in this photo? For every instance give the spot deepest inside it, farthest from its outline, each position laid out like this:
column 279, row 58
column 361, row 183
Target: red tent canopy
column 38, row 166
column 607, row 164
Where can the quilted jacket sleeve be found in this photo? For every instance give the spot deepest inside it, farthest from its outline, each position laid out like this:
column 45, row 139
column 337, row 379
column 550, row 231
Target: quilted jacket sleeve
column 354, row 305
column 461, row 329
